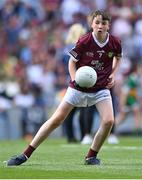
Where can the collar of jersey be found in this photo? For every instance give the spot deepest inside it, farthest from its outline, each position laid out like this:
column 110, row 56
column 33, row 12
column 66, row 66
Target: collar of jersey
column 98, row 43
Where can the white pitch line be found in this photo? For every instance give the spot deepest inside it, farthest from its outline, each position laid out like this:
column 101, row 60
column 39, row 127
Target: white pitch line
column 105, row 147
column 123, row 147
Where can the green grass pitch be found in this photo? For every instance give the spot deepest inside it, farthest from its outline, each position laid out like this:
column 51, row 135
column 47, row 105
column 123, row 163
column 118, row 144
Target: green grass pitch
column 56, row 159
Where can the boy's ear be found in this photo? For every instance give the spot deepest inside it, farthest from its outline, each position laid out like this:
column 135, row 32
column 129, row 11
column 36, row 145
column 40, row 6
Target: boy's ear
column 109, row 26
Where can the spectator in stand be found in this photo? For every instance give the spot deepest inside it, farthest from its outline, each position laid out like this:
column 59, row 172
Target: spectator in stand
column 75, row 31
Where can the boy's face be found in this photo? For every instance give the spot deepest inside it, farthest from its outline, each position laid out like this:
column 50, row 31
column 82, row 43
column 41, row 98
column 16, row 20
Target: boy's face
column 99, row 25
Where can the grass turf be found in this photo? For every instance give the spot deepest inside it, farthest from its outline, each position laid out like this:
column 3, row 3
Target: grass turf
column 55, row 159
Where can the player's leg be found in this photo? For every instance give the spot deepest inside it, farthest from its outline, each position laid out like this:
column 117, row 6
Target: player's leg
column 107, row 119
column 86, row 122
column 112, row 138
column 137, row 117
column 69, row 128
column 120, row 118
column 105, row 110
column 56, row 119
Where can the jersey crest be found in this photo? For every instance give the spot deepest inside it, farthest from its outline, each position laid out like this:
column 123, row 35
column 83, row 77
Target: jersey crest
column 110, row 54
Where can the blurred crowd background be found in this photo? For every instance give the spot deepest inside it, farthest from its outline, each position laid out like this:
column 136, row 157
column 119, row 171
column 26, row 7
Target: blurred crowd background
column 33, row 59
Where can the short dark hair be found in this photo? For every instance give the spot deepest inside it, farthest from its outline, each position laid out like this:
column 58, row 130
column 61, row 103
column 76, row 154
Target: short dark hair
column 105, row 15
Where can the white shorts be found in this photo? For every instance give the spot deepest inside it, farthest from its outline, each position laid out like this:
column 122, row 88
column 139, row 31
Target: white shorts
column 83, row 99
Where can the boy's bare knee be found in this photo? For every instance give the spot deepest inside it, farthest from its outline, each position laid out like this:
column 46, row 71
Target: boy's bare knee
column 57, row 121
column 109, row 122
column 55, row 124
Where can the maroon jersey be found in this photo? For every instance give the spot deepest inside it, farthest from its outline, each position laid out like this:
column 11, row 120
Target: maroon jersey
column 89, row 52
